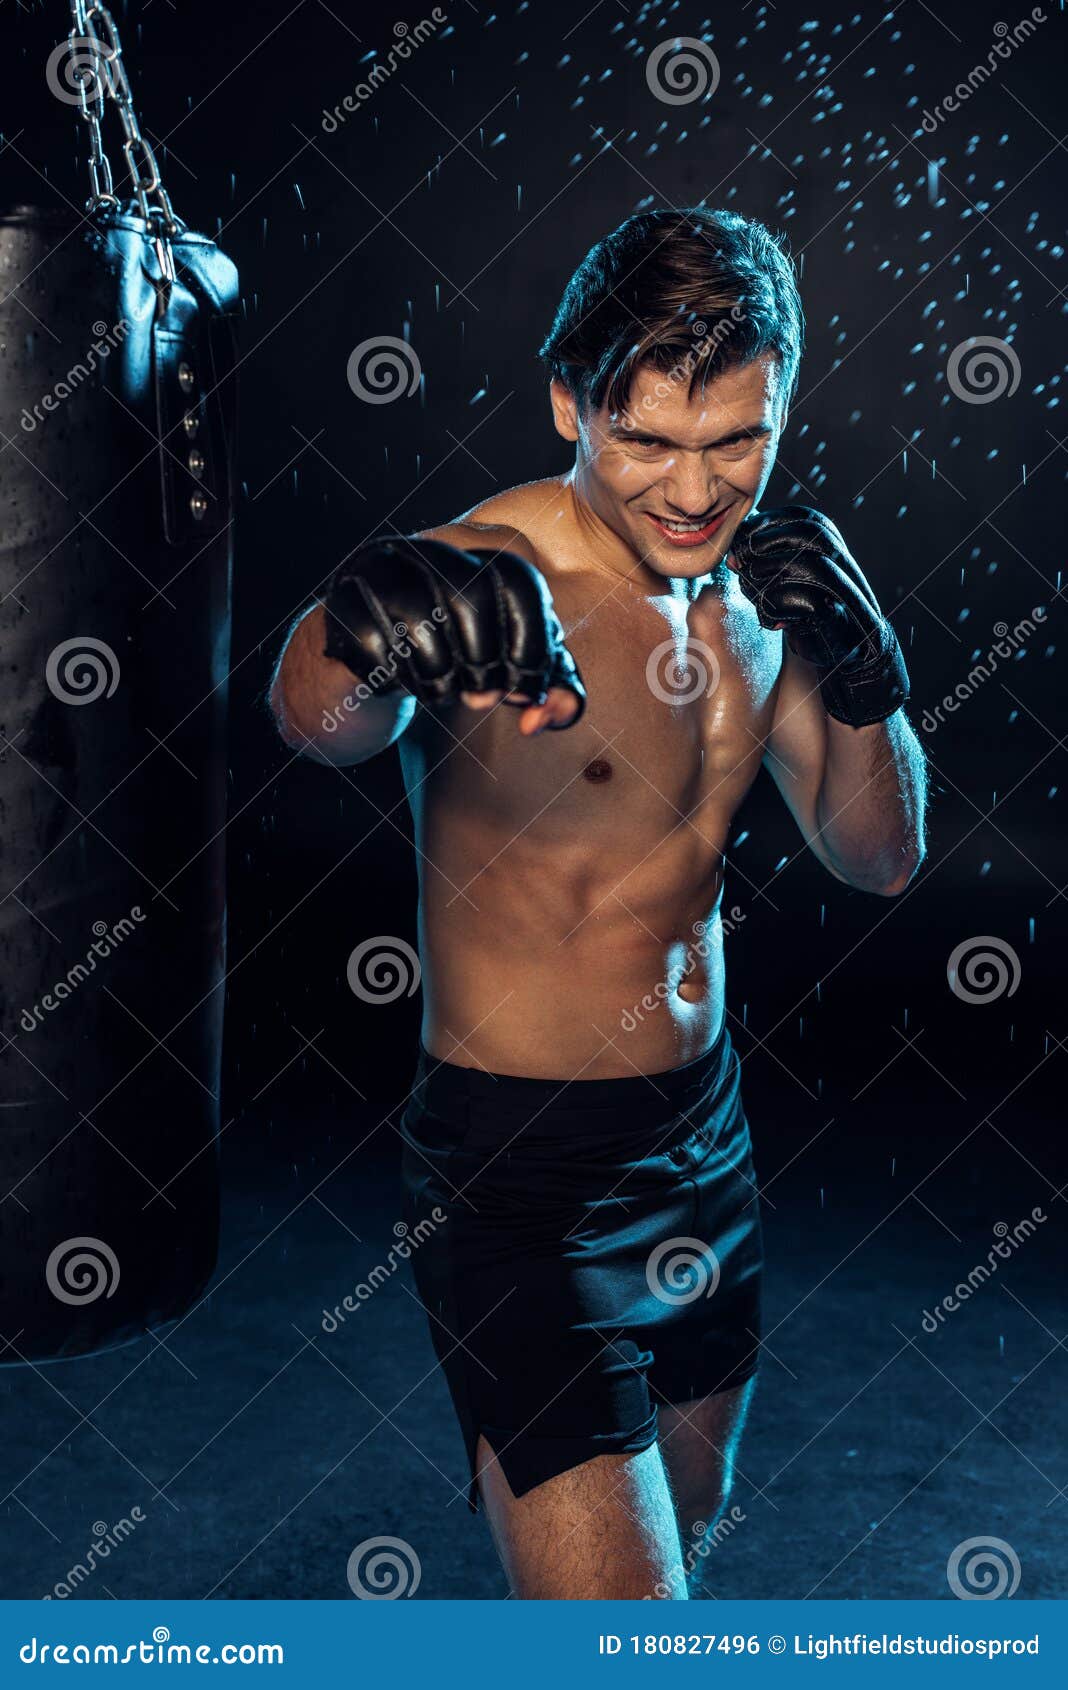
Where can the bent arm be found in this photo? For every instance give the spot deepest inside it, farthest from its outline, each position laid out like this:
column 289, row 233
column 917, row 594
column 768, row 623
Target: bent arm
column 857, row 794
column 321, row 709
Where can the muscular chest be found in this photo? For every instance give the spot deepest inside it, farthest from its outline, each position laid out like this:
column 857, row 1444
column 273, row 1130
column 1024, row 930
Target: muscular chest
column 679, row 697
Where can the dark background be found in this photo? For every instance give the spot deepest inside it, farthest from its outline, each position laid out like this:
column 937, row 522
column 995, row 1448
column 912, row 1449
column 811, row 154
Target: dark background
column 894, row 1124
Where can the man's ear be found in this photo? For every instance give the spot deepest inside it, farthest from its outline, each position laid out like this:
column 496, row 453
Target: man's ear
column 565, row 410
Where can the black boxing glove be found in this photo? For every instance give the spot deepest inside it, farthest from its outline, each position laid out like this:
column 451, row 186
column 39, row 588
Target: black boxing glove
column 796, row 568
column 436, row 621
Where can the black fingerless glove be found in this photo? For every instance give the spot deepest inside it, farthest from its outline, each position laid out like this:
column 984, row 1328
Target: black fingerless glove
column 796, row 569
column 437, row 621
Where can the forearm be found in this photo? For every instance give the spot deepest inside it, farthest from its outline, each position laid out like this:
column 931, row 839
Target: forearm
column 871, row 802
column 323, row 710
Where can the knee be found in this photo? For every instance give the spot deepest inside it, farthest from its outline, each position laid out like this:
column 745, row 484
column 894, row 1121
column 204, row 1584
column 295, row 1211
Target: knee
column 698, row 1520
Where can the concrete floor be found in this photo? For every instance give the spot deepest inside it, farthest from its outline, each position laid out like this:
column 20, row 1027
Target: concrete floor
column 260, row 1451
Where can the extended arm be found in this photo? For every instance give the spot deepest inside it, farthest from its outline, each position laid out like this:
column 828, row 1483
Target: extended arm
column 422, row 620
column 322, row 709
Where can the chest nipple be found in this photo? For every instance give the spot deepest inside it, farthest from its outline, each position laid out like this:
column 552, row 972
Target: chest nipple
column 598, row 771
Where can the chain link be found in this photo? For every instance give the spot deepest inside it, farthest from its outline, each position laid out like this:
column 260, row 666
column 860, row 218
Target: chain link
column 99, row 74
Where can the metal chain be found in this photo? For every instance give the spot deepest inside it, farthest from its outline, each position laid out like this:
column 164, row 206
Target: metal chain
column 97, row 70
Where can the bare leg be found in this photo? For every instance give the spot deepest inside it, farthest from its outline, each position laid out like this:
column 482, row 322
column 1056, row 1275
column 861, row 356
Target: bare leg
column 605, row 1529
column 699, row 1442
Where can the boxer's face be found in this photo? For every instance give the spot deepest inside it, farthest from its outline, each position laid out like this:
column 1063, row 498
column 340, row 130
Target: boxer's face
column 674, row 475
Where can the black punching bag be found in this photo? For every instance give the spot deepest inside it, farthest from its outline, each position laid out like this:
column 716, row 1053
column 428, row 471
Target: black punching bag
column 116, row 511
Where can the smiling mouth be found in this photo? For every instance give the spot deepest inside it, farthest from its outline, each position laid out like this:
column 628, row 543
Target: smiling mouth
column 688, row 533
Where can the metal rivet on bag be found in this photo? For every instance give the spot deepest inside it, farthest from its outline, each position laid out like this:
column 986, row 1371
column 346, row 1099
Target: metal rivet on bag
column 186, row 379
column 199, row 506
column 196, row 461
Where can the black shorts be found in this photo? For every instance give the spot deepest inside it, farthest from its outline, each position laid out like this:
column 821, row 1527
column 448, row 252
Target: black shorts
column 584, row 1250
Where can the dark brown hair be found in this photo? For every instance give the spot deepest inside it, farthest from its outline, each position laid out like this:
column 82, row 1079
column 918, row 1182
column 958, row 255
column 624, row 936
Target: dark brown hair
column 693, row 291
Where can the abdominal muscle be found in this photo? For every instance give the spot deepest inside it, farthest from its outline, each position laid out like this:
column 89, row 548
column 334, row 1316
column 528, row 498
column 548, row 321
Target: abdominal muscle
column 567, row 924
column 557, row 976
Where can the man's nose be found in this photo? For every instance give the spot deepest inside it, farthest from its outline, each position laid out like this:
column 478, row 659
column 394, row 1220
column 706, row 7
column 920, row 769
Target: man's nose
column 690, row 484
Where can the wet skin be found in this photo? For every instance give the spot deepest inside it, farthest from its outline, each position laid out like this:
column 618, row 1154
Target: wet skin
column 567, row 876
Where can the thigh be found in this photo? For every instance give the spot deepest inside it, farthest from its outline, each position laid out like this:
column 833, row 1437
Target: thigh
column 604, row 1529
column 699, row 1445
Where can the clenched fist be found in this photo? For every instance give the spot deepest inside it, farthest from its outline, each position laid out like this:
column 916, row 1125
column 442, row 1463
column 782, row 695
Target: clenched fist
column 441, row 623
column 796, row 569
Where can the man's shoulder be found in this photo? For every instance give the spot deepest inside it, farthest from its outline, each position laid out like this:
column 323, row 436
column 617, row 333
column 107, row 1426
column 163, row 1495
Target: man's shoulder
column 513, row 520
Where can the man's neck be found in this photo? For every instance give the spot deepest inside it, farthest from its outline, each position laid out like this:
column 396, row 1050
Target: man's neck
column 603, row 547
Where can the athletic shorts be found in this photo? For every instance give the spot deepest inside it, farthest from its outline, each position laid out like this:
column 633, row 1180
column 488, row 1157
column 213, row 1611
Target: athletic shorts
column 584, row 1250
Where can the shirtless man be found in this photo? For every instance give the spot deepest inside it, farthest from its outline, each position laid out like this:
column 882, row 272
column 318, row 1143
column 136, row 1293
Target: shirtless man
column 601, row 1257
